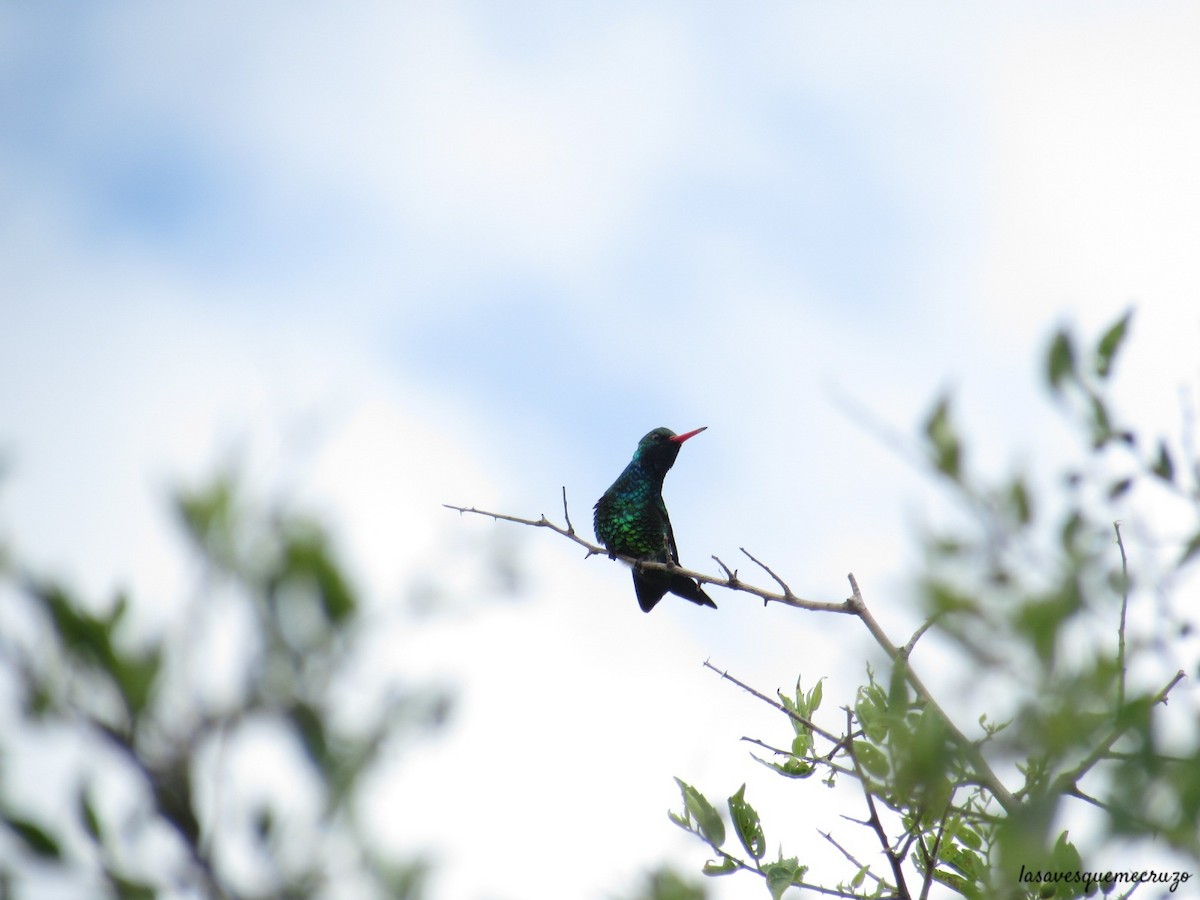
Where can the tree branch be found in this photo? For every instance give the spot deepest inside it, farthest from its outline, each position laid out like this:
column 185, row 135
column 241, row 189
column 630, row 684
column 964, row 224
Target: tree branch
column 874, row 821
column 791, row 714
column 731, row 581
column 846, row 853
column 1121, row 628
column 930, row 857
column 815, row 760
column 567, row 515
column 854, row 605
column 1068, row 781
column 987, row 777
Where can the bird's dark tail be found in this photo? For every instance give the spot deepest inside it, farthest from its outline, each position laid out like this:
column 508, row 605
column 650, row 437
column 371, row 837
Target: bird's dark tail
column 651, row 586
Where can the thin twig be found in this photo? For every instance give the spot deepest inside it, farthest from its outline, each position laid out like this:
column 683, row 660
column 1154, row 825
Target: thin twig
column 907, row 649
column 1112, row 811
column 791, row 714
column 787, row 591
column 846, row 853
column 567, row 515
column 1121, row 629
column 777, row 750
column 874, row 821
column 931, row 856
column 730, row 574
column 815, row 760
column 803, row 885
column 1069, row 780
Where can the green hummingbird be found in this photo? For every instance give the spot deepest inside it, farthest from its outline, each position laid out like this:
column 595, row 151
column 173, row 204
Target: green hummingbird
column 631, row 519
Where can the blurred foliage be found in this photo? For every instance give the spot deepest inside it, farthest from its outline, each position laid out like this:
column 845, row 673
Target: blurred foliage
column 664, row 883
column 1035, row 588
column 144, row 713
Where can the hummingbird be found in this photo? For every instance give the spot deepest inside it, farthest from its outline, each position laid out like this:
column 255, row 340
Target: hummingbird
column 631, row 519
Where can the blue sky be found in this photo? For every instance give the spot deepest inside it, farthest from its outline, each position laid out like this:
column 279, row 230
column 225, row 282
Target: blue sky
column 406, row 255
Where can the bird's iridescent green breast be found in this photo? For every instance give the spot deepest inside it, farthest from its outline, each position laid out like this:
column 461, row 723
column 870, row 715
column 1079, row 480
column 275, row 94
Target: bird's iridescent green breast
column 629, row 520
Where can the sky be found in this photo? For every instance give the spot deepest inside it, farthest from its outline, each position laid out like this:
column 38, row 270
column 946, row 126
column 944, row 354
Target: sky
column 389, row 256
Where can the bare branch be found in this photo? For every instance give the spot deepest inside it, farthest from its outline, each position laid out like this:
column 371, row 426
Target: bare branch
column 787, row 591
column 730, row 575
column 730, row 582
column 846, row 853
column 907, row 649
column 567, row 515
column 776, row 750
column 543, row 522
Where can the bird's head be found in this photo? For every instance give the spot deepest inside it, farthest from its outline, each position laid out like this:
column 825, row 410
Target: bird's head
column 658, row 449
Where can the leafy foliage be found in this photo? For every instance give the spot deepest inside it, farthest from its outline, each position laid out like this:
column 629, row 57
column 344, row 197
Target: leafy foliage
column 144, row 702
column 1033, row 590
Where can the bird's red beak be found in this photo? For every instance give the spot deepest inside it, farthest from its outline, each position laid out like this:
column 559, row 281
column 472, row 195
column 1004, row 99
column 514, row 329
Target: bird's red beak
column 680, row 438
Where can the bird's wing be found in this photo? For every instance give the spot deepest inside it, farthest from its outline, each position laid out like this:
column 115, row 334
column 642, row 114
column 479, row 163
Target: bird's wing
column 671, row 548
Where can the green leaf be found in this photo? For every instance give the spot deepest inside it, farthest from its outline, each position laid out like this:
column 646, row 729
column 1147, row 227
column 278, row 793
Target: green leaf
column 264, row 824
column 802, row 744
column 1119, row 488
column 307, row 559
column 82, row 635
column 812, row 701
column 955, row 882
column 1102, row 430
column 35, row 838
column 117, row 613
column 172, row 788
column 968, row 862
column 1072, row 530
column 135, row 676
column 747, row 824
column 87, row 814
column 1065, row 857
column 871, row 712
column 1060, row 360
column 310, row 728
column 1042, row 617
column 947, row 598
column 209, row 516
column 782, row 875
column 1018, row 498
column 859, row 877
column 793, row 768
column 706, row 816
column 871, row 758
column 898, row 688
column 130, row 890
column 1190, row 551
column 969, row 837
column 1163, row 467
column 727, row 867
column 1110, row 343
column 943, row 440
